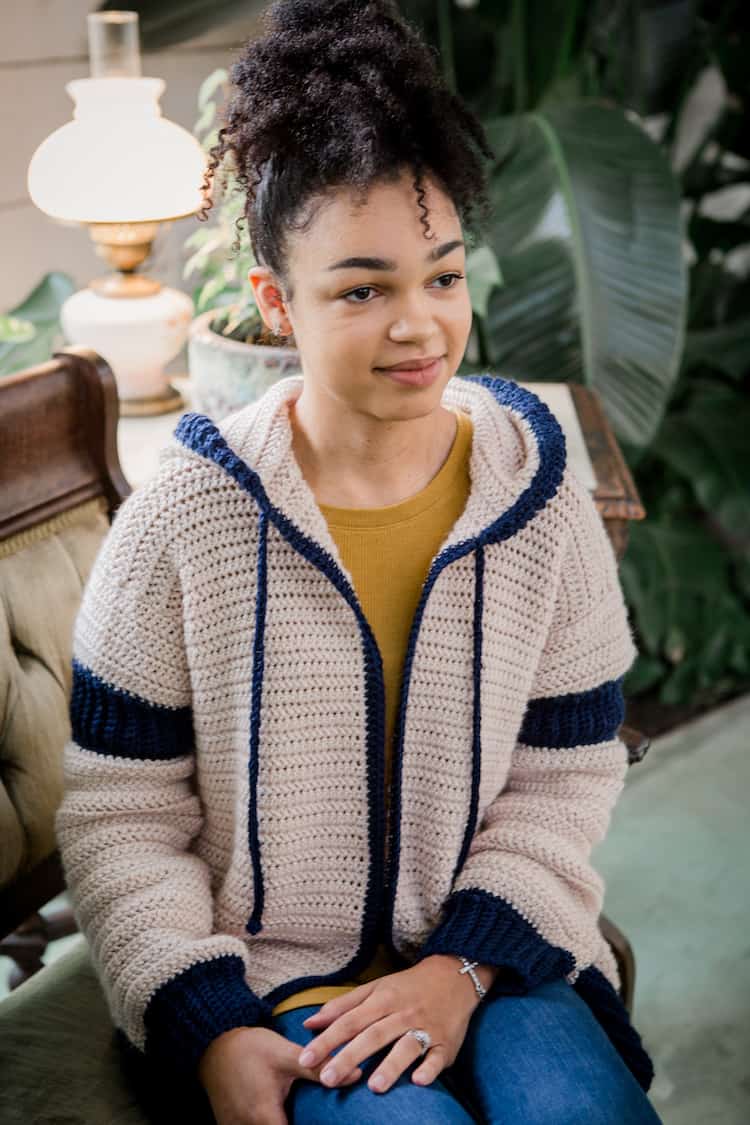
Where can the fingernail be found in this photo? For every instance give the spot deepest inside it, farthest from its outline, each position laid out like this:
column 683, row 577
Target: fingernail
column 377, row 1082
column 328, row 1075
column 307, row 1058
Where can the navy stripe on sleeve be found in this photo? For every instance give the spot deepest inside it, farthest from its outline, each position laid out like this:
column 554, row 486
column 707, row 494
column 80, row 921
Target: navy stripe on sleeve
column 108, row 720
column 576, row 719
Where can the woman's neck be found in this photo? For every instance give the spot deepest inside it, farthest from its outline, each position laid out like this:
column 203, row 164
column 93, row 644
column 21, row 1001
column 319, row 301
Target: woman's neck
column 372, row 466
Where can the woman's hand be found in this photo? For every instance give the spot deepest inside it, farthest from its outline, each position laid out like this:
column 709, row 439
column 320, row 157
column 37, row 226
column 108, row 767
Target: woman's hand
column 247, row 1073
column 432, row 995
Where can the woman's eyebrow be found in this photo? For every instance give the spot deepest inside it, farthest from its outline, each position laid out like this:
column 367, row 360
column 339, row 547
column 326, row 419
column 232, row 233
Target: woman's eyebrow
column 388, row 263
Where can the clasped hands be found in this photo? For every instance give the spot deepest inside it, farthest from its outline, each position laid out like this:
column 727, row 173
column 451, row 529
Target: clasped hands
column 431, row 994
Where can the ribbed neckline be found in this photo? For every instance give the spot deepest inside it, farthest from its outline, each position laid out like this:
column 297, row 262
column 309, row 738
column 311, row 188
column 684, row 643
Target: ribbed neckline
column 345, row 518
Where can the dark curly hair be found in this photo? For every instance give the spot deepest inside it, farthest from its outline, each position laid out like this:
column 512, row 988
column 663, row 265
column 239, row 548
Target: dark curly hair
column 340, row 92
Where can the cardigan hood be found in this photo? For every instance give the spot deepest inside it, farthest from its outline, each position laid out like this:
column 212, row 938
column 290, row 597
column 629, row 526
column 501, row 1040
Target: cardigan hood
column 517, row 461
column 229, row 689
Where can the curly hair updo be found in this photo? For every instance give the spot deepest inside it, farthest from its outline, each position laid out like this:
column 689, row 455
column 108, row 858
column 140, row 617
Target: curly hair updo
column 340, row 93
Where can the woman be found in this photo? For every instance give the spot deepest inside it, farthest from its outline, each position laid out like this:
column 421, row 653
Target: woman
column 348, row 670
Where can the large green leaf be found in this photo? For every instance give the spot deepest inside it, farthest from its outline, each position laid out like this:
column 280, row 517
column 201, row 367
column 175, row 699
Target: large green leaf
column 531, row 318
column 726, row 347
column 586, row 178
column 544, row 33
column 707, row 443
column 689, row 621
column 520, row 194
column 482, row 275
column 41, row 311
column 644, row 49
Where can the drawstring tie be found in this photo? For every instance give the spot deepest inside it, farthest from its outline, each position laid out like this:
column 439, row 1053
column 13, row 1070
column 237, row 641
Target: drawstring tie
column 254, row 924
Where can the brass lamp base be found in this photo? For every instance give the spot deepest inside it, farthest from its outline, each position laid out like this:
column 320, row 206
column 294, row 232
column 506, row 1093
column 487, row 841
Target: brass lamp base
column 125, row 246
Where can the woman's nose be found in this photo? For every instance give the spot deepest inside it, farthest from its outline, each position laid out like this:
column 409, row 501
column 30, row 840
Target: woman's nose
column 415, row 321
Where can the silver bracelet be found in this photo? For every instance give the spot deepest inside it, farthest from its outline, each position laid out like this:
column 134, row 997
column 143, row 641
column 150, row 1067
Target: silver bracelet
column 468, row 967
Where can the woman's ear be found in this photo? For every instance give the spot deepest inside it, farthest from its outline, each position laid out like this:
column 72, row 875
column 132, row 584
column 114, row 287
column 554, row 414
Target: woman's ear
column 269, row 299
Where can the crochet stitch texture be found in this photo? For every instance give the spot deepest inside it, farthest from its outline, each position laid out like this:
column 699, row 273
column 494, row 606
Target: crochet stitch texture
column 222, row 826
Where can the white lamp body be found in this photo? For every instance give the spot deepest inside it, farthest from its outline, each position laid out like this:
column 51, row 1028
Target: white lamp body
column 137, row 336
column 119, row 160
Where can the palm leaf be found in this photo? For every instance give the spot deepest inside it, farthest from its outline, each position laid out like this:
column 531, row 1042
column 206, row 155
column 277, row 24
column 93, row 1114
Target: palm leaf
column 690, row 622
column 588, row 185
column 706, row 443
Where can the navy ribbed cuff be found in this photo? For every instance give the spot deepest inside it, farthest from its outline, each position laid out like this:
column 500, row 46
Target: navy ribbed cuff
column 487, row 929
column 190, row 1010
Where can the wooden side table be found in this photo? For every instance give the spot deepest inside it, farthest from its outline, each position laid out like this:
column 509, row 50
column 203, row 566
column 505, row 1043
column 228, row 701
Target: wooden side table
column 140, row 438
column 595, row 455
column 615, row 494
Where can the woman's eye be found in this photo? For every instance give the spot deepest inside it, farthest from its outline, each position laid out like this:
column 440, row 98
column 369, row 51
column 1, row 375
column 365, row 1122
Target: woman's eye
column 452, row 277
column 361, row 289
column 367, row 288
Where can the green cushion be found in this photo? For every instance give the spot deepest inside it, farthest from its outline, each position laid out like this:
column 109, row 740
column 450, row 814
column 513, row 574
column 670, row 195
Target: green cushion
column 59, row 1062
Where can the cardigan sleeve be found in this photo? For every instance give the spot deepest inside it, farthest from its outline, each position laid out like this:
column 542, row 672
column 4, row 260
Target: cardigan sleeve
column 130, row 808
column 527, row 898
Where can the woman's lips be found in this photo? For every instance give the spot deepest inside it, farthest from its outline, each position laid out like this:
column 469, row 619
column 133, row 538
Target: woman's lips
column 421, row 377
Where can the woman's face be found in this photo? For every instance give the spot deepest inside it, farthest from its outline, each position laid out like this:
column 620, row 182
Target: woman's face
column 349, row 320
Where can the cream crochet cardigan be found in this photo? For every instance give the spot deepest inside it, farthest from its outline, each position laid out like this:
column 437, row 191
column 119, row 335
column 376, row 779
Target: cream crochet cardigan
column 223, row 827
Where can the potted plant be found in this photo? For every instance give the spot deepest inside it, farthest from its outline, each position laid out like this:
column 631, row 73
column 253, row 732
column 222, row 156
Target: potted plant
column 232, row 358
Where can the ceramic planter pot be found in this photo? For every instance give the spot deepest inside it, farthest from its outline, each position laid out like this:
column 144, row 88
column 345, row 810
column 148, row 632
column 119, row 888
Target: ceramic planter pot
column 226, row 374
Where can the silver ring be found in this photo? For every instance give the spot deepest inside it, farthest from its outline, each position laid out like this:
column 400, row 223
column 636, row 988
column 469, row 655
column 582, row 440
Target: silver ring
column 423, row 1037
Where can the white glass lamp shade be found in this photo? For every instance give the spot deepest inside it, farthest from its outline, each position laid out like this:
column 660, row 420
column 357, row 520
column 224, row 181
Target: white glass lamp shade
column 119, row 160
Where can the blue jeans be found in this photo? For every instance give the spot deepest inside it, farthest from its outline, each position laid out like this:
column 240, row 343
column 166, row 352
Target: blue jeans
column 536, row 1058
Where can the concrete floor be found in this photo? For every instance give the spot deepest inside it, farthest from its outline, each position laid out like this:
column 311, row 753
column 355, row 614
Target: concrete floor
column 675, row 864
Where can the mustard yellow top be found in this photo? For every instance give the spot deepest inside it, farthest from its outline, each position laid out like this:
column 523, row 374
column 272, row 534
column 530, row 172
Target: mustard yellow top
column 388, row 552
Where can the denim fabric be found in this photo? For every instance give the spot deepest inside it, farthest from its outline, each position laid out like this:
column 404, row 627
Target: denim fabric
column 537, row 1058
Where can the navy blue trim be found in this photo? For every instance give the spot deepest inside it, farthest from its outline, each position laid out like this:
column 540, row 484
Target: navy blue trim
column 612, row 1015
column 198, row 433
column 106, row 719
column 488, row 929
column 476, row 744
column 254, row 924
column 541, row 489
column 579, row 718
column 550, row 438
column 191, row 1009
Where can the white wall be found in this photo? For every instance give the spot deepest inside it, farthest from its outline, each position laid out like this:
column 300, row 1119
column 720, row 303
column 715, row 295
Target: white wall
column 43, row 45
